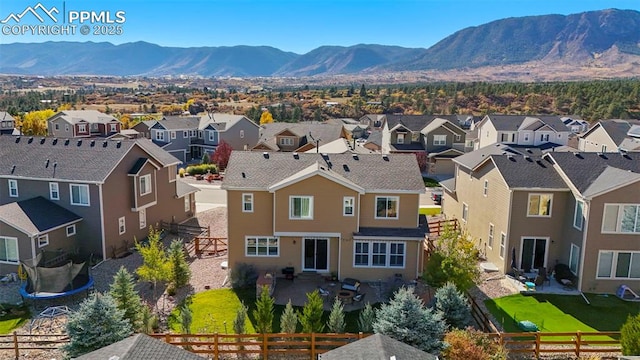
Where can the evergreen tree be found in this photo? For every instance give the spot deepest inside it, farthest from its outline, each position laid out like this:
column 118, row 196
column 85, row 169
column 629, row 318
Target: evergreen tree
column 454, row 306
column 630, row 336
column 180, row 271
column 186, row 318
column 155, row 267
column 206, row 159
column 96, row 324
column 366, row 318
column 311, row 317
column 363, row 92
column 263, row 313
column 241, row 318
column 149, row 321
column 406, row 319
column 127, row 298
column 336, row 322
column 289, row 319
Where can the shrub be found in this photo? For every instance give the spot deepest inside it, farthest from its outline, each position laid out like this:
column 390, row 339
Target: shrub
column 454, row 306
column 241, row 317
column 471, row 344
column 127, row 298
column 311, row 317
column 180, row 272
column 336, row 322
column 406, row 319
column 630, row 336
column 366, row 318
column 264, row 312
column 181, row 172
column 243, row 275
column 202, row 169
column 289, row 319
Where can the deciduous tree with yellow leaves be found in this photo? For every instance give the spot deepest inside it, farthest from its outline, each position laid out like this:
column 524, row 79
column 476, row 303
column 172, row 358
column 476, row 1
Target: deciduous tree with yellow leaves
column 266, row 118
column 35, row 122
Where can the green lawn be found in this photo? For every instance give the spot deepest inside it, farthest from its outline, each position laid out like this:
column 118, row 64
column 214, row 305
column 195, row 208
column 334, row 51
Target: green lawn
column 212, row 307
column 429, row 182
column 562, row 313
column 428, row 211
column 13, row 320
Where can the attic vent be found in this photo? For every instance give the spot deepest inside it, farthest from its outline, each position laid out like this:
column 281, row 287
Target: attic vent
column 529, row 151
column 528, row 158
column 511, row 157
column 105, row 143
column 329, row 164
column 13, row 168
column 539, row 162
column 265, row 155
column 295, row 156
column 346, row 167
column 42, row 141
column 602, row 155
column 66, row 142
column 118, row 144
column 244, row 175
column 355, row 156
column 46, row 164
column 55, row 141
column 79, row 143
column 93, row 143
column 385, row 157
column 18, row 139
column 30, row 140
column 325, row 156
column 504, row 153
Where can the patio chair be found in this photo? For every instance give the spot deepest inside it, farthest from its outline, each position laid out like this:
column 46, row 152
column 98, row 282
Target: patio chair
column 539, row 281
column 358, row 297
column 518, row 275
column 351, row 284
column 542, row 271
column 323, row 292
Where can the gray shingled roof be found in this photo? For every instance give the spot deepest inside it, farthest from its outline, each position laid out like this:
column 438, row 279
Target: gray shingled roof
column 255, row 170
column 140, row 347
column 36, row 215
column 617, row 129
column 417, row 232
column 584, row 169
column 376, row 347
column 375, row 138
column 6, row 116
column 182, row 188
column 90, row 116
column 69, row 159
column 528, row 172
column 178, row 123
column 325, row 132
column 472, row 159
column 411, row 122
column 221, row 121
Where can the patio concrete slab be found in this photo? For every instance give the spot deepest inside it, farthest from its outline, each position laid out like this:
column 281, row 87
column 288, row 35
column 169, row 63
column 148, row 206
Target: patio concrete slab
column 296, row 290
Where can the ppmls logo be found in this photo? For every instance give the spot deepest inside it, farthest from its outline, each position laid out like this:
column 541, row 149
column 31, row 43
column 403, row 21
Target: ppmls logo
column 40, row 20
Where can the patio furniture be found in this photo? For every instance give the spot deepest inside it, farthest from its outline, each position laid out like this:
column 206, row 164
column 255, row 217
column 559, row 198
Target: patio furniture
column 539, row 281
column 542, row 271
column 519, row 275
column 346, row 296
column 267, row 279
column 530, row 286
column 358, row 297
column 351, row 284
column 288, row 272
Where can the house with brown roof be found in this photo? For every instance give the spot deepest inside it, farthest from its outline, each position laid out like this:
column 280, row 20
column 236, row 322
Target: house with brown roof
column 84, row 196
column 611, row 136
column 533, row 210
column 82, row 124
column 348, row 214
column 298, row 137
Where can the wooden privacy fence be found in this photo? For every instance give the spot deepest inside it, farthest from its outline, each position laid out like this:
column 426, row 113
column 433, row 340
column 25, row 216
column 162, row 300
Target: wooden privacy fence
column 437, row 227
column 215, row 246
column 577, row 343
column 14, row 343
column 217, row 345
column 220, row 345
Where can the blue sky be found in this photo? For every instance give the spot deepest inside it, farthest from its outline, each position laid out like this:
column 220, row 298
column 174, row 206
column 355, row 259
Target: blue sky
column 298, row 26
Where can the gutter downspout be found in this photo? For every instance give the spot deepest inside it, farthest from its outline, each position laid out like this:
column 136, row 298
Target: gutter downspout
column 104, row 245
column 583, row 250
column 507, row 244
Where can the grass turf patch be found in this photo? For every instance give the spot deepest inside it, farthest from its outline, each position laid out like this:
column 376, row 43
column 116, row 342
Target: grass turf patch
column 428, row 211
column 562, row 313
column 429, row 182
column 13, row 318
column 212, row 307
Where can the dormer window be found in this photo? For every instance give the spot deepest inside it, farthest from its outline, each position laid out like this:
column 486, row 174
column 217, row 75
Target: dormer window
column 82, row 128
column 145, row 184
column 285, row 141
column 400, row 139
column 113, row 127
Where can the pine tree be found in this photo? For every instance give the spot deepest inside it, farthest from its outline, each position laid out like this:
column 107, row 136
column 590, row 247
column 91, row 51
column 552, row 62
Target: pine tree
column 96, row 324
column 149, row 321
column 241, row 317
column 263, row 313
column 289, row 319
column 366, row 318
column 454, row 306
column 180, row 271
column 630, row 336
column 127, row 298
column 406, row 319
column 336, row 322
column 186, row 318
column 311, row 317
column 206, row 159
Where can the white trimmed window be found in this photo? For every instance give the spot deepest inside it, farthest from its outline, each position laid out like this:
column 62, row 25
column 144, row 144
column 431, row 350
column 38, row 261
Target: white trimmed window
column 440, row 140
column 400, row 139
column 66, row 127
column 379, row 254
column 212, row 135
column 142, row 218
column 618, row 265
column 262, row 246
column 574, row 258
column 485, row 188
column 71, row 230
column 82, row 128
column 9, row 250
column 54, row 191
column 241, row 134
column 13, row 188
column 491, row 232
column 247, row 202
column 57, row 126
column 173, row 135
column 122, row 227
column 79, row 194
column 465, row 212
column 503, row 244
column 621, row 218
column 347, row 205
column 539, row 205
column 301, row 207
column 159, row 135
column 200, row 134
column 185, row 134
column 286, row 141
column 145, row 184
column 578, row 215
column 187, row 203
column 387, row 207
column 43, row 240
column 113, row 127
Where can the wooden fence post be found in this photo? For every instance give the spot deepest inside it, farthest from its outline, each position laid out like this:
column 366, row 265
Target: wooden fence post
column 197, row 240
column 15, row 345
column 265, row 353
column 537, row 351
column 578, row 342
column 313, row 346
column 215, row 346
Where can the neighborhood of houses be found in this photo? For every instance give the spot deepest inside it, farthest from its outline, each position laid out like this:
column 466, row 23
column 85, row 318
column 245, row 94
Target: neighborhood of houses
column 340, row 197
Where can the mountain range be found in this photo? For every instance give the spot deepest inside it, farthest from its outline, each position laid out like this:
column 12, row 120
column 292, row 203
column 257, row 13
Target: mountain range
column 609, row 37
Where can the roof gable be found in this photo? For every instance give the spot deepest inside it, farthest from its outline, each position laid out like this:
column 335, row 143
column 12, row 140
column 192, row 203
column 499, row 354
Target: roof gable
column 37, row 215
column 315, row 170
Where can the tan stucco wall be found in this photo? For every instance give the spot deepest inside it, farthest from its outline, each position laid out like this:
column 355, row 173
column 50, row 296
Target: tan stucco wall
column 407, row 213
column 595, row 140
